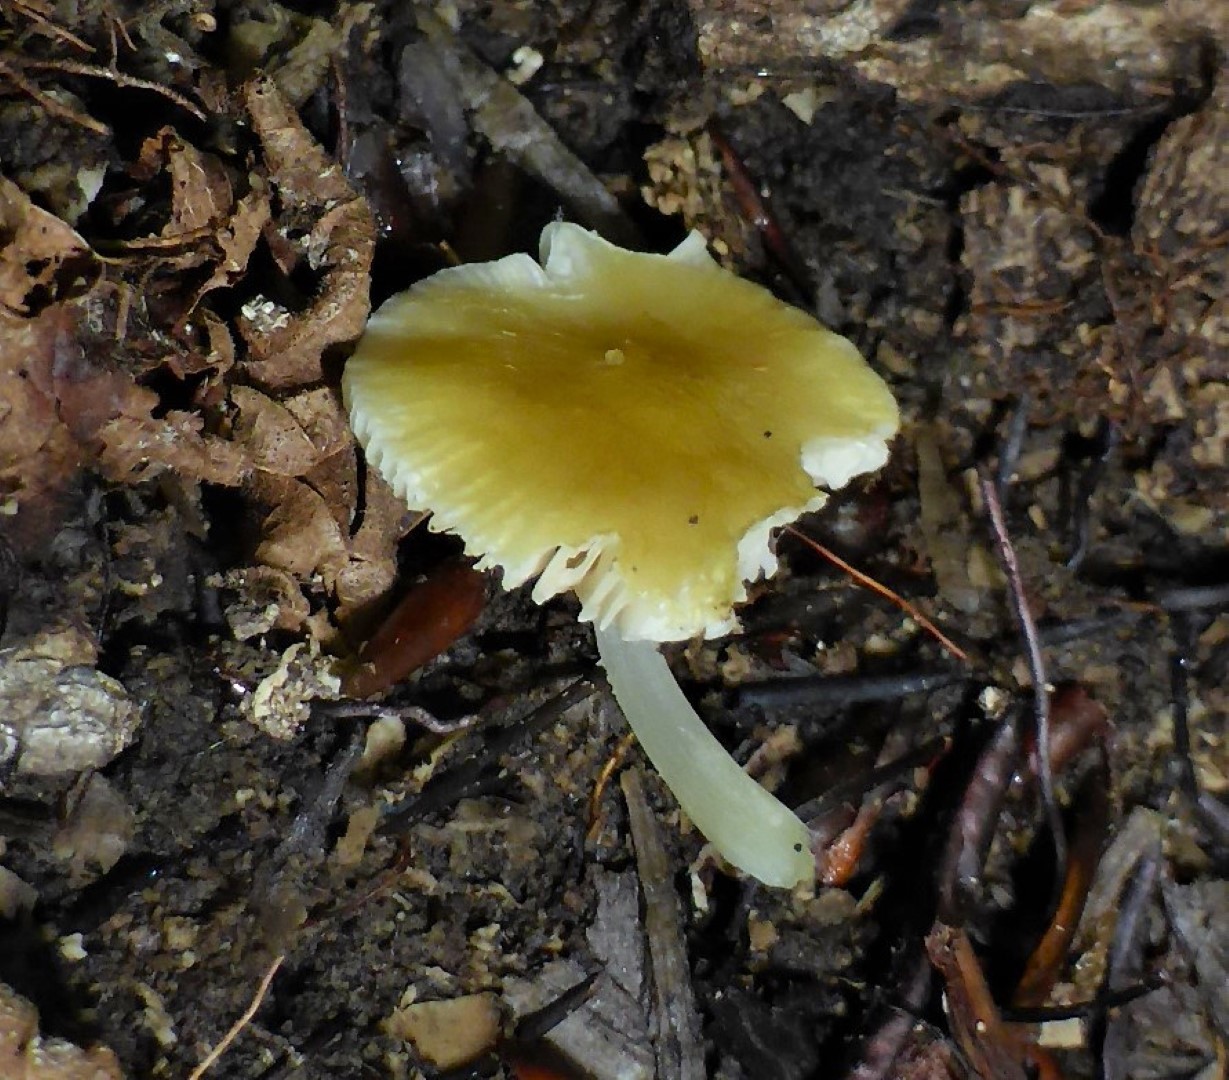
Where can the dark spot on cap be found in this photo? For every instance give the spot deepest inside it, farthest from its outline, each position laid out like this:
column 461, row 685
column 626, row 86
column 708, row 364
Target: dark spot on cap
column 694, row 519
column 767, row 434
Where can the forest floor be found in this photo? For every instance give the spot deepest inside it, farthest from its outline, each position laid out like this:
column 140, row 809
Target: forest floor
column 1019, row 212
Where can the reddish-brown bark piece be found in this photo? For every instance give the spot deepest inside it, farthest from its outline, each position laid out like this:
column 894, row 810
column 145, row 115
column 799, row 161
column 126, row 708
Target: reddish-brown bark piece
column 428, row 619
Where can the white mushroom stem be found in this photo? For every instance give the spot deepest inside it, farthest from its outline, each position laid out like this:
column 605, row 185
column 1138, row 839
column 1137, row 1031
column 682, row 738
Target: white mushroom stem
column 748, row 826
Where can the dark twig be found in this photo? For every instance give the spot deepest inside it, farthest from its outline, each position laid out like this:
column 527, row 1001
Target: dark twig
column 1036, row 667
column 840, row 691
column 754, row 206
column 890, row 773
column 53, row 106
column 1180, row 692
column 472, row 776
column 1192, row 598
column 1009, row 454
column 1081, row 1010
column 414, row 714
column 1215, row 815
column 541, row 1022
column 91, row 71
column 1085, row 488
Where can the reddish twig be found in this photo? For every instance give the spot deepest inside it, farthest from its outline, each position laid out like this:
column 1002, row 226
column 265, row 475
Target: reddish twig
column 1092, row 824
column 609, row 768
column 753, row 206
column 237, row 1027
column 868, row 582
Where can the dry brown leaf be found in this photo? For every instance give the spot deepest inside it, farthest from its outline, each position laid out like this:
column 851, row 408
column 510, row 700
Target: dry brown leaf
column 214, row 352
column 41, row 258
column 269, row 432
column 237, row 239
column 308, row 477
column 38, row 456
column 133, row 449
column 201, row 193
column 335, row 473
column 330, row 228
column 300, row 534
column 372, row 569
column 207, row 225
column 88, row 391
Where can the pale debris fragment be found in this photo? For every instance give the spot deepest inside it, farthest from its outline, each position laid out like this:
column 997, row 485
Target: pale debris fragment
column 58, row 714
column 281, row 702
column 448, row 1034
column 25, row 1055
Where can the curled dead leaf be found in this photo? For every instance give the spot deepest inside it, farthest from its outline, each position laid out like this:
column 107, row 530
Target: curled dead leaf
column 332, row 232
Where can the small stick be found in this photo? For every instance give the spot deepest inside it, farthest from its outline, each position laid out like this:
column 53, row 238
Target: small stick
column 840, row 691
column 54, row 107
column 210, row 1059
column 72, row 67
column 47, row 28
column 868, row 582
column 755, row 208
column 1036, row 667
column 1180, row 683
column 1085, row 488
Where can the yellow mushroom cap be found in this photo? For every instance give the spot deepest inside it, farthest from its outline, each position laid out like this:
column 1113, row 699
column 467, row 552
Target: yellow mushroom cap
column 629, row 426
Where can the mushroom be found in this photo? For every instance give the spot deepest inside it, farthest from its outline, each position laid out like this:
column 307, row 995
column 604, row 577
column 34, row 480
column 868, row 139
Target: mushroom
column 631, row 427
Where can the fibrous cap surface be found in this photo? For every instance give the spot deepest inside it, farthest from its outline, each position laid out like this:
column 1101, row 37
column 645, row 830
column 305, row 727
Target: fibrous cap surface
column 626, row 425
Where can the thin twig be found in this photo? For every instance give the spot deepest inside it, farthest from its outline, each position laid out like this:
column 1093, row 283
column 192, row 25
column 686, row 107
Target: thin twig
column 868, row 582
column 754, row 207
column 611, row 766
column 54, row 107
column 414, row 714
column 1036, row 667
column 1085, row 488
column 840, row 691
column 1180, row 684
column 47, row 28
column 92, row 71
column 237, row 1027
